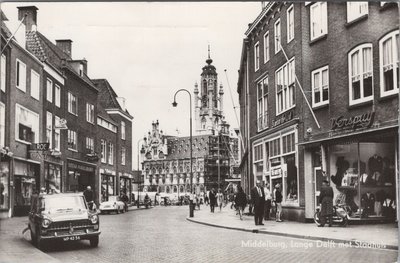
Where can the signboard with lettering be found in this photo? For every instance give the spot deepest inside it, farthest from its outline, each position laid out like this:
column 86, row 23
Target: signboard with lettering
column 284, row 117
column 43, row 146
column 361, row 121
column 80, row 167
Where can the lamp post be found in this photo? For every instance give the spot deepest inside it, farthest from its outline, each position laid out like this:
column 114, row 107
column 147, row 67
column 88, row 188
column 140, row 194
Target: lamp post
column 174, row 104
column 138, row 152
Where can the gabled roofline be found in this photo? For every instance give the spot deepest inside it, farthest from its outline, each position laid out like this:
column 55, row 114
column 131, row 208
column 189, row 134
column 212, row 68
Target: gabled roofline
column 259, row 17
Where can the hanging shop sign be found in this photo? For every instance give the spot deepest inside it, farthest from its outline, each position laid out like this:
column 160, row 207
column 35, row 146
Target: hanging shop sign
column 361, row 121
column 43, row 146
column 284, row 117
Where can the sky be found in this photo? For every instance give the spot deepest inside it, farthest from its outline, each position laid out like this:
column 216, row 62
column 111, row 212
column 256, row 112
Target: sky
column 149, row 50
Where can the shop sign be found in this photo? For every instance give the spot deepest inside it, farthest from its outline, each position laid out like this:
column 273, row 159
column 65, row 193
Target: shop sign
column 361, row 121
column 80, row 167
column 107, row 171
column 43, row 146
column 284, row 117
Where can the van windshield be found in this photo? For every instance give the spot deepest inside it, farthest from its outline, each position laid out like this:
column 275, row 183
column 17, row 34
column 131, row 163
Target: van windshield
column 63, row 203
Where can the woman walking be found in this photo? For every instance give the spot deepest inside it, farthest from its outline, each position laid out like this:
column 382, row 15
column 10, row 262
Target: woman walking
column 240, row 201
column 212, row 200
column 220, row 199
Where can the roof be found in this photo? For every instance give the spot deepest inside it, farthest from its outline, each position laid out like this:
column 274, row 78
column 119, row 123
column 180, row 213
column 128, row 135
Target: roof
column 5, row 32
column 45, row 50
column 107, row 96
column 259, row 17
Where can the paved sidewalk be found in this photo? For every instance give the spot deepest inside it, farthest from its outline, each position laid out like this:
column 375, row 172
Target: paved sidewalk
column 15, row 247
column 380, row 235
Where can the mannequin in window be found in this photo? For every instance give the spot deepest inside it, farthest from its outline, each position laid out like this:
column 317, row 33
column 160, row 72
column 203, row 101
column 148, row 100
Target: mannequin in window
column 375, row 166
column 387, row 171
column 341, row 165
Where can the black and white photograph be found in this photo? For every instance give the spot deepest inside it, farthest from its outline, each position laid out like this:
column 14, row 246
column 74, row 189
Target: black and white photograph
column 194, row 131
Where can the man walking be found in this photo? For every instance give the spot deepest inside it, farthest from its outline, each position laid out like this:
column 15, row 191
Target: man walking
column 258, row 198
column 326, row 200
column 213, row 200
column 278, row 202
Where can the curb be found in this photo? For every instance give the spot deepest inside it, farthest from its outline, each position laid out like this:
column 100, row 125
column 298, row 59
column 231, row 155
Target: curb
column 352, row 243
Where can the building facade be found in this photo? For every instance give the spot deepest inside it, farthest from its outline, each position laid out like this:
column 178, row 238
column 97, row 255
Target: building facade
column 304, row 77
column 51, row 126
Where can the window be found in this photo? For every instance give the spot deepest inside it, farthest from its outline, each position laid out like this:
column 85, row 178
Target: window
column 57, row 95
column 258, row 161
column 360, row 74
column 72, row 140
column 389, row 63
column 107, row 125
column 285, row 84
column 320, row 86
column 277, row 38
column 356, row 10
column 3, row 73
column 318, row 20
column 26, row 125
column 123, row 155
column 21, row 76
column 266, row 47
column 103, row 151
column 72, row 104
column 290, row 24
column 35, row 84
column 49, row 128
column 262, row 104
column 89, row 113
column 89, row 144
column 2, row 125
column 110, row 153
column 256, row 56
column 122, row 130
column 57, row 134
column 49, row 90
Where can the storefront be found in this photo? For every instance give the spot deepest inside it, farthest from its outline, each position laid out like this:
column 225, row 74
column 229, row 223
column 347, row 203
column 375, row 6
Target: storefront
column 275, row 161
column 125, row 185
column 361, row 168
column 52, row 173
column 108, row 183
column 26, row 182
column 79, row 176
column 5, row 200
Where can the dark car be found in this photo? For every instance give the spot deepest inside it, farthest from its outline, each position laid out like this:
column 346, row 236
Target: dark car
column 64, row 217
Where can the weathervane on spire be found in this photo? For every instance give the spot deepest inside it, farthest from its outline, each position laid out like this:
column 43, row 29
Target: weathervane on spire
column 209, row 60
column 208, row 50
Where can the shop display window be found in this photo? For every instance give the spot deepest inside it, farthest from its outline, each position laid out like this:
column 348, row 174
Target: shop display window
column 72, row 184
column 53, row 178
column 107, row 187
column 364, row 175
column 4, row 186
column 25, row 182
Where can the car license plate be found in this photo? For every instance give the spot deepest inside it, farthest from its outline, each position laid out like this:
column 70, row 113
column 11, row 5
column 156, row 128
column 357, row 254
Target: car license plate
column 72, row 238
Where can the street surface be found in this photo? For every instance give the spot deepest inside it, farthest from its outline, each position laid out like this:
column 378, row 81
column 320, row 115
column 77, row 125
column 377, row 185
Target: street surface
column 163, row 234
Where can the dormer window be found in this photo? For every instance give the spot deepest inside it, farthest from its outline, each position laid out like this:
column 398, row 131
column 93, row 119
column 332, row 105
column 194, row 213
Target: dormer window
column 81, row 70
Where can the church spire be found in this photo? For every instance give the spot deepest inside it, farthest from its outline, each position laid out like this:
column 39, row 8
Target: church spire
column 209, row 60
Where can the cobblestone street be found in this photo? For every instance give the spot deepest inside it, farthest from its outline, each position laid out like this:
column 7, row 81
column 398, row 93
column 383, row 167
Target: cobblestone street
column 162, row 234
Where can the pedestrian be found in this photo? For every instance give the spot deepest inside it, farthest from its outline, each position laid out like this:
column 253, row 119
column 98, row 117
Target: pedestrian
column 125, row 199
column 268, row 199
column 213, row 200
column 278, row 202
column 220, row 199
column 258, row 198
column 206, row 202
column 89, row 196
column 240, row 201
column 250, row 202
column 326, row 201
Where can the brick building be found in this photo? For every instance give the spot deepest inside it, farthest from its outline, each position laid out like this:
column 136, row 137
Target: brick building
column 339, row 53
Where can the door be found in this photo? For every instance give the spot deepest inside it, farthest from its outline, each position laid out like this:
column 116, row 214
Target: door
column 318, row 178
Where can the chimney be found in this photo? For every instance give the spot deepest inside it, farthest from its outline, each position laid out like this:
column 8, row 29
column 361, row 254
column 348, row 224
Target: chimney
column 65, row 45
column 122, row 103
column 30, row 14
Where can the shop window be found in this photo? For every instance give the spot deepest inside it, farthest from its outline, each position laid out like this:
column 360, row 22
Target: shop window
column 4, row 186
column 27, row 124
column 318, row 20
column 320, row 86
column 72, row 182
column 360, row 74
column 364, row 174
column 389, row 63
column 25, row 181
column 258, row 161
column 107, row 187
column 356, row 10
column 53, row 178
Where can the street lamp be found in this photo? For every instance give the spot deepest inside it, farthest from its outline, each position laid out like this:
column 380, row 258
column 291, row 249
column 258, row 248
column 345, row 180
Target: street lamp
column 139, row 177
column 174, row 104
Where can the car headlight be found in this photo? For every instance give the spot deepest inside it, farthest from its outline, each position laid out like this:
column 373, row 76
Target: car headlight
column 94, row 219
column 46, row 223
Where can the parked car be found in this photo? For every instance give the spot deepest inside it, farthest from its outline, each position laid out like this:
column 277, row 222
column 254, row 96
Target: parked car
column 64, row 217
column 114, row 204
